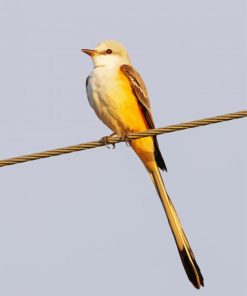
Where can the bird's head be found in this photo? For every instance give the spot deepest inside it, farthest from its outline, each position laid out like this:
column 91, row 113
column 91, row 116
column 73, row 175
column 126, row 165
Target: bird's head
column 108, row 53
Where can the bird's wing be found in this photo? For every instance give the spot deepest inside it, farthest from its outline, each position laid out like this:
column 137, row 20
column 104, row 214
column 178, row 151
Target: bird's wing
column 89, row 92
column 140, row 92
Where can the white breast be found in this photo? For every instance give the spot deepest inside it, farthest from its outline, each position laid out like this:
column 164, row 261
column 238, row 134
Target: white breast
column 101, row 85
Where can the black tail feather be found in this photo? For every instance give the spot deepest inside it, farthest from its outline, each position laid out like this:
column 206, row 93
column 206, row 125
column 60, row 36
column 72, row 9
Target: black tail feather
column 189, row 269
column 158, row 156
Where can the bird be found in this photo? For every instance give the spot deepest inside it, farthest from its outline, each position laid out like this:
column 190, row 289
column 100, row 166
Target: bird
column 119, row 97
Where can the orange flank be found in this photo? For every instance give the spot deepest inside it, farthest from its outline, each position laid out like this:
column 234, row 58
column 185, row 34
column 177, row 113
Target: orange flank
column 132, row 115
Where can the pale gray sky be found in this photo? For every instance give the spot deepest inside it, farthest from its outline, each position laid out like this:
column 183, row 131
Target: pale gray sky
column 90, row 223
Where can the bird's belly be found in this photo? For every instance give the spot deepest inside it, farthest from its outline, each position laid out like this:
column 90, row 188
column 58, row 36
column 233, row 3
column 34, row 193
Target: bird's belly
column 115, row 104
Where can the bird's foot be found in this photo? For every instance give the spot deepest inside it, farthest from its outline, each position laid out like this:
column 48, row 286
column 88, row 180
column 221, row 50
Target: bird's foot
column 105, row 141
column 125, row 138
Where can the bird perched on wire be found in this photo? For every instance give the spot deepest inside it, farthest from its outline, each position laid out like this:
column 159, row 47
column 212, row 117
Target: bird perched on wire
column 119, row 97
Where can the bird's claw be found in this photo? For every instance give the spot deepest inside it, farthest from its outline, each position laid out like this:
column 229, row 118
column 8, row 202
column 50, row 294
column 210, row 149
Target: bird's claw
column 105, row 141
column 126, row 139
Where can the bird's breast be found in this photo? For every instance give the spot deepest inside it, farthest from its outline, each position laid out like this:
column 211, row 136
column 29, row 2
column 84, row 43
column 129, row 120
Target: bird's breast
column 111, row 97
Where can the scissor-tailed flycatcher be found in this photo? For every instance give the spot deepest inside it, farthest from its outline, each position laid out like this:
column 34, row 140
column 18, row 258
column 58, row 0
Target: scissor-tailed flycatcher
column 119, row 97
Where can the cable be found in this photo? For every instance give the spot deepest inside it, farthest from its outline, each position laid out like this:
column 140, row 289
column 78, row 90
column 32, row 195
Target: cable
column 115, row 139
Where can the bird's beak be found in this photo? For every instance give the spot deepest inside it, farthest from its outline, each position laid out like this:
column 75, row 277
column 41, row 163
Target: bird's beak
column 90, row 52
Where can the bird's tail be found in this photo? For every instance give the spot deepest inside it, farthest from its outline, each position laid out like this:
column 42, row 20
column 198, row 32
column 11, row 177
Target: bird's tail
column 185, row 252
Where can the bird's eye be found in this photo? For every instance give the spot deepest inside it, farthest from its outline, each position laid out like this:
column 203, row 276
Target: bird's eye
column 108, row 51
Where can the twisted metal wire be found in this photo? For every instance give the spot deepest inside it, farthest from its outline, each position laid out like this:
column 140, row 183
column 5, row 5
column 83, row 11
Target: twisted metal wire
column 131, row 136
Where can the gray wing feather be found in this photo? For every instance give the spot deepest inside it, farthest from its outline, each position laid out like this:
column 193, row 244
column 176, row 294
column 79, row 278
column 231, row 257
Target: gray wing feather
column 89, row 92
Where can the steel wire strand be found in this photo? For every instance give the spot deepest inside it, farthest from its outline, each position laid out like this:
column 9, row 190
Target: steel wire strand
column 132, row 136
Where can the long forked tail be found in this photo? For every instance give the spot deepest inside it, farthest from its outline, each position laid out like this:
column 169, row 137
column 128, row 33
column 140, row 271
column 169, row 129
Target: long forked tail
column 185, row 252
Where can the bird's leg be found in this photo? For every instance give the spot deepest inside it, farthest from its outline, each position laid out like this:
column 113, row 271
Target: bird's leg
column 105, row 141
